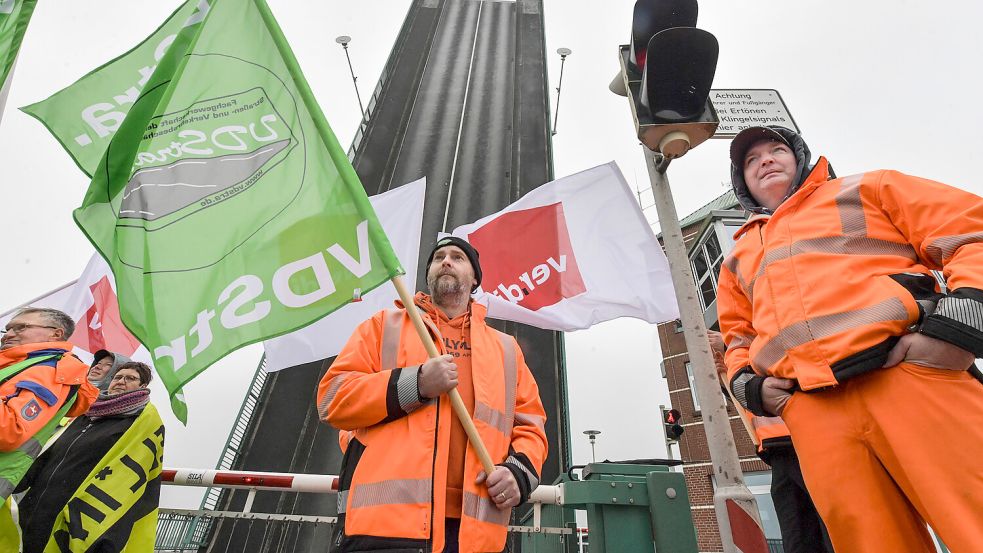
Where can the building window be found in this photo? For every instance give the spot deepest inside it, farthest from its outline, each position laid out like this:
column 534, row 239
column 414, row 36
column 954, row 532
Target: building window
column 706, row 260
column 692, row 386
column 760, row 485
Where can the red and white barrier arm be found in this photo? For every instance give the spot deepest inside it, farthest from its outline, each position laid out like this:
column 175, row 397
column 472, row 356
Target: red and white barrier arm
column 285, row 481
column 250, row 480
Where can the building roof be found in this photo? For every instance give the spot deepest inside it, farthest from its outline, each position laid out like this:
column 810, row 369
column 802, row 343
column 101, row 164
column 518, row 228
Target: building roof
column 727, row 200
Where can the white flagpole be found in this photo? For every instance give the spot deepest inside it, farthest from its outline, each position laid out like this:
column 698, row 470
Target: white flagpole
column 5, row 89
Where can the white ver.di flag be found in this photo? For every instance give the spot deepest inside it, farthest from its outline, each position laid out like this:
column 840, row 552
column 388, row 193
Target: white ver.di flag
column 91, row 302
column 572, row 253
column 400, row 212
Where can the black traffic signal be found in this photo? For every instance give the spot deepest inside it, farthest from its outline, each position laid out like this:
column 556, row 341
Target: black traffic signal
column 670, row 422
column 668, row 70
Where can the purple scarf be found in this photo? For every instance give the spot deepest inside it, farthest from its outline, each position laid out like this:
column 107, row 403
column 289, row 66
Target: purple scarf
column 126, row 403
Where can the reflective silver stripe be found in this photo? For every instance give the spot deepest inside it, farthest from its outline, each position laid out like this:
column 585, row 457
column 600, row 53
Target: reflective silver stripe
column 32, row 448
column 6, row 488
column 492, row 417
column 511, row 376
column 941, row 249
column 342, row 502
column 484, row 509
column 390, row 492
column 740, row 341
column 826, row 325
column 848, row 202
column 322, row 406
column 965, row 310
column 391, row 329
column 764, row 422
column 515, row 462
column 847, row 245
column 530, row 420
column 407, row 389
column 738, row 387
column 734, row 266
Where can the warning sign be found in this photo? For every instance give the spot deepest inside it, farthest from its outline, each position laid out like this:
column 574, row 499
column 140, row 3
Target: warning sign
column 739, row 109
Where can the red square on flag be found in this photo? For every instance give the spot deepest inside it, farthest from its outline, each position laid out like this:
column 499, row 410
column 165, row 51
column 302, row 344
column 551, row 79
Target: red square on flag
column 526, row 257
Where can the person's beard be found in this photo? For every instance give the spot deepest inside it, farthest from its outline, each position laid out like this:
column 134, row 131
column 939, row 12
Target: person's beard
column 448, row 291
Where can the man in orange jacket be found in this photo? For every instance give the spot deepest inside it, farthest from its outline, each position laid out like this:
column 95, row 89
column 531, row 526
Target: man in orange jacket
column 40, row 382
column 835, row 321
column 409, row 478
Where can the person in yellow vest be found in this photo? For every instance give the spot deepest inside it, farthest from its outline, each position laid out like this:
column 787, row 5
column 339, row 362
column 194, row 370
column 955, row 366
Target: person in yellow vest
column 40, row 382
column 98, row 487
column 409, row 478
column 802, row 529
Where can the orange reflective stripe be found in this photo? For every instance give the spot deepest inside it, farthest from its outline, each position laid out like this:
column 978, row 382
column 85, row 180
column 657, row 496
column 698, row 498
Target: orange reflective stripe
column 335, row 383
column 734, row 266
column 740, row 341
column 492, row 417
column 824, row 326
column 941, row 249
column 848, row 202
column 511, row 375
column 391, row 329
column 484, row 509
column 390, row 492
column 531, row 420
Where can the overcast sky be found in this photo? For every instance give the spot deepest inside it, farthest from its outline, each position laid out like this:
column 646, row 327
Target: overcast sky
column 875, row 84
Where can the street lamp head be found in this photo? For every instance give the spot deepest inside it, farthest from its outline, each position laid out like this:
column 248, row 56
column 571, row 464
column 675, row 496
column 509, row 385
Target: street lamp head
column 564, row 52
column 591, row 433
column 343, row 40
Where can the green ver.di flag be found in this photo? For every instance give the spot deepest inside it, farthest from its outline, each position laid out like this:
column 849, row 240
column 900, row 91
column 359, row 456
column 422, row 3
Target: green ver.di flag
column 224, row 203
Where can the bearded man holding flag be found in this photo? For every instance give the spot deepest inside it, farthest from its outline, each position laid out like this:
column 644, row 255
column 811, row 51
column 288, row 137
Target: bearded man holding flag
column 384, row 389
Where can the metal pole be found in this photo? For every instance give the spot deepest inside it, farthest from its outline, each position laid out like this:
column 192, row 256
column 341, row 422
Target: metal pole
column 354, row 79
column 736, row 509
column 564, row 52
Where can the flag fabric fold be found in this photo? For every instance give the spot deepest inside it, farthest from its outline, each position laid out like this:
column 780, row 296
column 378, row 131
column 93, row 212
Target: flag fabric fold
column 572, row 253
column 14, row 18
column 84, row 115
column 224, row 204
column 400, row 211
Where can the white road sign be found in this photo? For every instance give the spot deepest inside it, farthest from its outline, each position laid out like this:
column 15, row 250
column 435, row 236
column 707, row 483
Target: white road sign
column 739, row 109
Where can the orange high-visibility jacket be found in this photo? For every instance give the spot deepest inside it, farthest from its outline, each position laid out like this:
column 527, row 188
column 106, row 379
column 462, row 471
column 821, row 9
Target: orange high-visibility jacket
column 30, row 399
column 394, row 471
column 820, row 290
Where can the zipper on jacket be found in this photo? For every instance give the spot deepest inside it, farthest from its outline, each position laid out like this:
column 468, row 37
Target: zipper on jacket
column 61, row 461
column 433, row 475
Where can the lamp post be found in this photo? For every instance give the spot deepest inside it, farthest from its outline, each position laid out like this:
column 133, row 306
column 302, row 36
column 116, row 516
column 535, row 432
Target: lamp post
column 564, row 52
column 343, row 40
column 592, row 435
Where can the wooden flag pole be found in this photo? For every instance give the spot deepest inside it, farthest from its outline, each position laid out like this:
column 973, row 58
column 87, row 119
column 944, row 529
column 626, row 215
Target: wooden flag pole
column 456, row 402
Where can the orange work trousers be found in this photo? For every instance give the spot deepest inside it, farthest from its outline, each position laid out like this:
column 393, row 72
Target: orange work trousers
column 887, row 452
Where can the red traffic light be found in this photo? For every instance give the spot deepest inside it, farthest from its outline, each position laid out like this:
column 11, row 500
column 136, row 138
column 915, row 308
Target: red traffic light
column 653, row 16
column 672, row 416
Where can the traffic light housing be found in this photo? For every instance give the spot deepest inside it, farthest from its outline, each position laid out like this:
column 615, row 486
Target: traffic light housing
column 668, row 70
column 670, row 422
